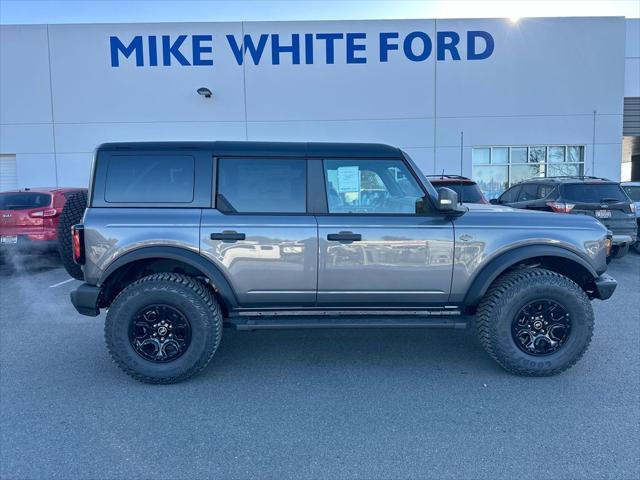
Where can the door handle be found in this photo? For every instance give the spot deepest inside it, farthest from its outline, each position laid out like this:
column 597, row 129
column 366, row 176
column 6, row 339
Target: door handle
column 228, row 236
column 344, row 237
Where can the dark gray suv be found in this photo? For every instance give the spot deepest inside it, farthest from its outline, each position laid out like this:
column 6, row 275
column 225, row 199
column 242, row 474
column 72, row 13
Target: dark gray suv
column 179, row 239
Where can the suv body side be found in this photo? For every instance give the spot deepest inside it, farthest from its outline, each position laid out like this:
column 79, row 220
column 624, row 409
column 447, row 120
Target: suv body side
column 316, row 258
column 545, row 194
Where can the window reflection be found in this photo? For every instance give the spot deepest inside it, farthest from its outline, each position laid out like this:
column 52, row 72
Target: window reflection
column 497, row 168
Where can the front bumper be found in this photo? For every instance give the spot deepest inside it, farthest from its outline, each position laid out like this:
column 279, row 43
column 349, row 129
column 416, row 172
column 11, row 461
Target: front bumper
column 623, row 239
column 605, row 285
column 85, row 299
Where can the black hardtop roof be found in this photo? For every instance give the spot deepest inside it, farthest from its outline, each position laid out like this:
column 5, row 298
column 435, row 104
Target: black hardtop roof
column 267, row 149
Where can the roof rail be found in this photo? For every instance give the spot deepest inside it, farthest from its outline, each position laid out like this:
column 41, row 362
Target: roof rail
column 580, row 177
column 446, row 175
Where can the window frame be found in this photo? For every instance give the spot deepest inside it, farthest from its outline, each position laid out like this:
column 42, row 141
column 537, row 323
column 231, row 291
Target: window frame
column 216, row 184
column 431, row 212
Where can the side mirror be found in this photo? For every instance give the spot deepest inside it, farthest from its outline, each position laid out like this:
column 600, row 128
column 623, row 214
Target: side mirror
column 494, row 201
column 448, row 202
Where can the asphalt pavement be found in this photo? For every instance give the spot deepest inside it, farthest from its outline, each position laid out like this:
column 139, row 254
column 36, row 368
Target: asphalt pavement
column 311, row 404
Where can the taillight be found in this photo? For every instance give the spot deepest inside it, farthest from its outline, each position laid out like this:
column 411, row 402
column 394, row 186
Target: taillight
column 77, row 243
column 561, row 207
column 49, row 212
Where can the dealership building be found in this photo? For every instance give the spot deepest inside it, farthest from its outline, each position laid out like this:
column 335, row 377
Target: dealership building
column 493, row 99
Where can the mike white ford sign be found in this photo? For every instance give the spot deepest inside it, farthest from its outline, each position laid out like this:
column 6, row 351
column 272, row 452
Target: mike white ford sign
column 297, row 48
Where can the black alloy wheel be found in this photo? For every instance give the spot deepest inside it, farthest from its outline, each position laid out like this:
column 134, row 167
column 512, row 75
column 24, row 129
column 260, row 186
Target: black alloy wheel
column 541, row 327
column 159, row 333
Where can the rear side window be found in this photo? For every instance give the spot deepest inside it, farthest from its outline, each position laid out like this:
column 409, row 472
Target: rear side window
column 593, row 193
column 24, row 200
column 534, row 191
column 261, row 185
column 467, row 192
column 150, row 179
column 633, row 192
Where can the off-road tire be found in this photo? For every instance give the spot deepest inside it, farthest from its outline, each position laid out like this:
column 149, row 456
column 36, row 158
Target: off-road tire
column 72, row 213
column 620, row 251
column 193, row 298
column 511, row 292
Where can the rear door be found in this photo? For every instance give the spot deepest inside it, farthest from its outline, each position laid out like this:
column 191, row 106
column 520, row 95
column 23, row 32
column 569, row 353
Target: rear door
column 606, row 202
column 260, row 234
column 374, row 248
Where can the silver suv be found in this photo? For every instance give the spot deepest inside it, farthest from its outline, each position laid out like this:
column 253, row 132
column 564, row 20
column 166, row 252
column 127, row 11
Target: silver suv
column 181, row 239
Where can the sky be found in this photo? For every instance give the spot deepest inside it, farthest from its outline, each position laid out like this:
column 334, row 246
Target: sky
column 119, row 11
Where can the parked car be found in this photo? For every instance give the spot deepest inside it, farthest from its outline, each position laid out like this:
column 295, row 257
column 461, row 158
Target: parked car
column 632, row 189
column 179, row 239
column 468, row 191
column 600, row 198
column 29, row 218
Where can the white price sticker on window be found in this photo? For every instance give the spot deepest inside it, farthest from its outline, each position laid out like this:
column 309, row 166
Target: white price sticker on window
column 348, row 179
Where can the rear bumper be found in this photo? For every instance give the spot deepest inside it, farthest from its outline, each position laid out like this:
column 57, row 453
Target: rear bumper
column 85, row 299
column 28, row 245
column 605, row 286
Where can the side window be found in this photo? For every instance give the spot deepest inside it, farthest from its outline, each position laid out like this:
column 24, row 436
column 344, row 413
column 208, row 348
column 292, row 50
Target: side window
column 150, row 179
column 510, row 195
column 545, row 191
column 528, row 192
column 370, row 187
column 261, row 185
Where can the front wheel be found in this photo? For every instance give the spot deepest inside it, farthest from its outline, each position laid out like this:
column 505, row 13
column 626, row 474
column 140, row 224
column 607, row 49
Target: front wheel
column 535, row 322
column 163, row 328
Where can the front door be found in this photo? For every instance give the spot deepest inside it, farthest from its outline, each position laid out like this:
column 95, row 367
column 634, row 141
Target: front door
column 375, row 250
column 260, row 235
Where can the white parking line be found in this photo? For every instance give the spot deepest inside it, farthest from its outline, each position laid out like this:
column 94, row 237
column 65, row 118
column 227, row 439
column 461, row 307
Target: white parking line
column 61, row 283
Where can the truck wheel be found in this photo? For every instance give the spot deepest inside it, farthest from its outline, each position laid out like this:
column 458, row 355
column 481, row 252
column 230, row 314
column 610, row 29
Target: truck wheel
column 72, row 213
column 620, row 251
column 535, row 322
column 163, row 328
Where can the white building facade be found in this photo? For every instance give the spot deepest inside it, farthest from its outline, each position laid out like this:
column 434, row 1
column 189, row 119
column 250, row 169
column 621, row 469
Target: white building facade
column 489, row 98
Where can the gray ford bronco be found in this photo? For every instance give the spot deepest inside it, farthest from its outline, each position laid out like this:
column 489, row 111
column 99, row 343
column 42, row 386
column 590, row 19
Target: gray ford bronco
column 181, row 239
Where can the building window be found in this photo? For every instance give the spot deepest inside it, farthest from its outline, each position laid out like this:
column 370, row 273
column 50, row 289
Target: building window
column 497, row 168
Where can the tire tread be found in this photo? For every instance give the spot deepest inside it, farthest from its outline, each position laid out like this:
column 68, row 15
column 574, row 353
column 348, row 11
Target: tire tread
column 202, row 291
column 504, row 288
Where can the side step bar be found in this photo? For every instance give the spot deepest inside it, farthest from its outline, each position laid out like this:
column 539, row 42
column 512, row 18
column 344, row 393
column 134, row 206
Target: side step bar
column 278, row 322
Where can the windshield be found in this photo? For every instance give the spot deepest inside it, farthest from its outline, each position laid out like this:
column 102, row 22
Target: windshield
column 593, row 192
column 24, row 200
column 467, row 192
column 633, row 192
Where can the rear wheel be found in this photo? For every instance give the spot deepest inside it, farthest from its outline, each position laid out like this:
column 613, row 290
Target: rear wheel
column 72, row 213
column 163, row 328
column 535, row 322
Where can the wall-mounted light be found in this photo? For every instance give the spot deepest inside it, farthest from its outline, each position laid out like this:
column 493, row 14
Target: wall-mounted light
column 205, row 92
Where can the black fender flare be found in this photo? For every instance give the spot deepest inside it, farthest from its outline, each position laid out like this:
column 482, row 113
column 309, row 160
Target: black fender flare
column 483, row 280
column 193, row 259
